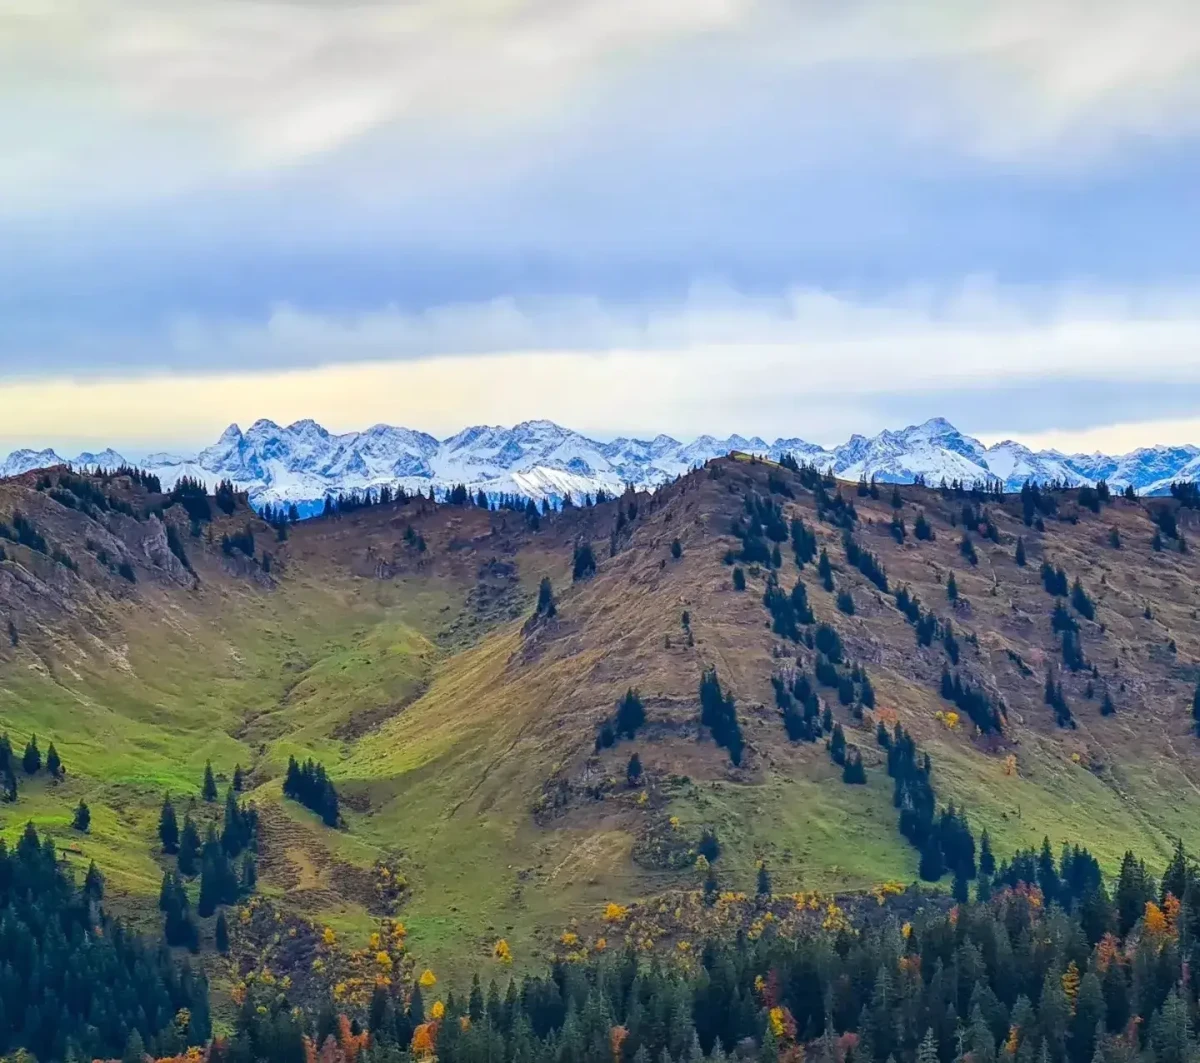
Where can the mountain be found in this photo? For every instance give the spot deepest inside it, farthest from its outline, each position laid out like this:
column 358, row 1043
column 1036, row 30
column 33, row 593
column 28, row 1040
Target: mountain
column 303, row 462
column 398, row 645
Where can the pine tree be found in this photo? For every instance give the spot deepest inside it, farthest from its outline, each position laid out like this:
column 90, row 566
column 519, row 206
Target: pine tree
column 837, row 745
column 209, row 789
column 249, row 873
column 853, row 772
column 53, row 762
column 987, row 862
column 545, row 601
column 189, row 848
column 825, row 571
column 93, row 882
column 32, row 759
column 135, row 1048
column 222, row 933
column 739, row 579
column 952, row 588
column 82, row 820
column 961, row 889
column 677, row 549
column 1020, row 556
column 631, row 714
column 1177, row 876
column 762, row 886
column 633, row 771
column 238, row 779
column 168, row 827
column 932, row 864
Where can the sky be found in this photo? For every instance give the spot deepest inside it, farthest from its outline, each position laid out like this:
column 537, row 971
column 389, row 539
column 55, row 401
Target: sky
column 775, row 217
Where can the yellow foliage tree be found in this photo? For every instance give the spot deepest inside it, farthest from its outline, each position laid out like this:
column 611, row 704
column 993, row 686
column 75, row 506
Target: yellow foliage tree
column 775, row 1017
column 1154, row 922
column 1070, row 984
column 1171, row 907
column 502, row 952
column 428, row 979
column 438, row 1011
column 1012, row 1043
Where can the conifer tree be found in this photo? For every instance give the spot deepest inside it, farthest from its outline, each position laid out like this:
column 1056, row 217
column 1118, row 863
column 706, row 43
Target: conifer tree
column 53, row 762
column 32, row 759
column 952, row 588
column 82, row 819
column 631, row 714
column 633, row 771
column 188, row 859
column 1020, row 556
column 853, row 771
column 825, row 571
column 249, row 873
column 238, row 779
column 1178, row 875
column 93, row 882
column 135, row 1048
column 209, row 789
column 762, row 886
column 837, row 745
column 221, row 933
column 168, row 827
column 987, row 862
column 545, row 601
column 961, row 889
column 932, row 864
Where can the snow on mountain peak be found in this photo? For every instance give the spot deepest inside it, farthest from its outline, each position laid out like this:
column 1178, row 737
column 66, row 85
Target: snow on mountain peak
column 304, row 462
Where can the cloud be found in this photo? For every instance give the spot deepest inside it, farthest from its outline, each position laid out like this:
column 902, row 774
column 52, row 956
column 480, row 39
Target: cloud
column 811, row 363
column 915, row 336
column 203, row 92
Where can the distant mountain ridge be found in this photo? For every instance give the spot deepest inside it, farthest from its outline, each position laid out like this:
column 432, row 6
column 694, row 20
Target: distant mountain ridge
column 303, row 462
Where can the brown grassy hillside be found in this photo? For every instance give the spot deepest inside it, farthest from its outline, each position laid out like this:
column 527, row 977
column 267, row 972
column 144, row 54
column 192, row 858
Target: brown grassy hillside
column 462, row 736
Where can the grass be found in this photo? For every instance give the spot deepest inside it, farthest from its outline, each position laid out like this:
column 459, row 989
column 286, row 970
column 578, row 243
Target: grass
column 444, row 723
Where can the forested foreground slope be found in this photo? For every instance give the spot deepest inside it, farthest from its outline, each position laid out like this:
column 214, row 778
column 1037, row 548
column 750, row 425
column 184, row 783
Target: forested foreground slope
column 669, row 714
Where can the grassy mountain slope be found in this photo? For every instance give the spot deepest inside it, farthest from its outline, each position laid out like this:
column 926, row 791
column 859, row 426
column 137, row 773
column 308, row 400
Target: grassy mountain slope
column 462, row 739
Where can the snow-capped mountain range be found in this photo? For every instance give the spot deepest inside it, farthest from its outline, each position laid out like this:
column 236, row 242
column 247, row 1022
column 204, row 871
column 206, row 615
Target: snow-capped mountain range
column 303, row 463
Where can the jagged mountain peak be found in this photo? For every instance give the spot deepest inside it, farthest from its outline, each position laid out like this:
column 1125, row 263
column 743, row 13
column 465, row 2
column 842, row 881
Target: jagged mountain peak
column 303, row 462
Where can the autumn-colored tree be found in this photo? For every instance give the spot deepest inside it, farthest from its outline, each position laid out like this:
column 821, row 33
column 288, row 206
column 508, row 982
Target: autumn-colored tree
column 1108, row 949
column 1070, row 984
column 1154, row 922
column 349, row 1042
column 616, row 1039
column 1171, row 909
column 424, row 1040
